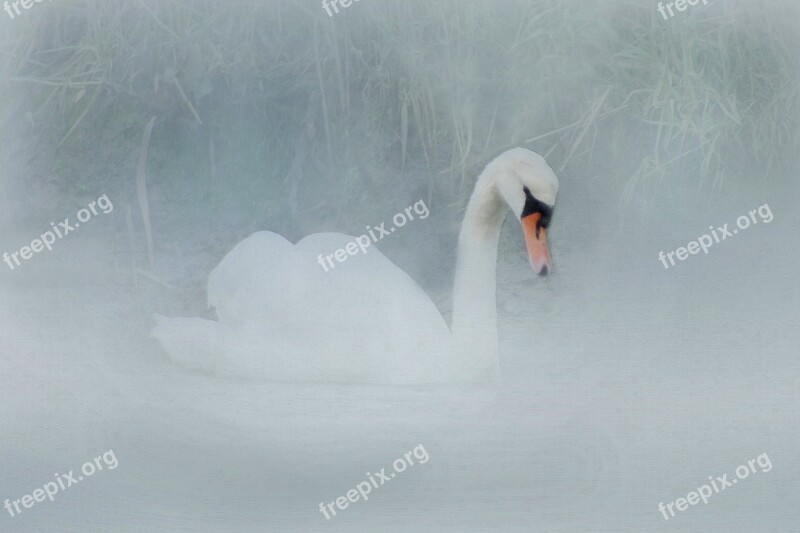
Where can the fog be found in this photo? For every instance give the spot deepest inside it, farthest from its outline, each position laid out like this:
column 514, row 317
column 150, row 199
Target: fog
column 627, row 379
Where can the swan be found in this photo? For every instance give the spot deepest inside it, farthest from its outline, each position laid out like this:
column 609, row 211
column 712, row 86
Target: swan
column 281, row 317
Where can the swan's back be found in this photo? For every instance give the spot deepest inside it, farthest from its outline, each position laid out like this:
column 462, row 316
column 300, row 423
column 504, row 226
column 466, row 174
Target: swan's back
column 364, row 319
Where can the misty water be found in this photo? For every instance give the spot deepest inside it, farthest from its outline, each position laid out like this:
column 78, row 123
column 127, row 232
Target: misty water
column 625, row 384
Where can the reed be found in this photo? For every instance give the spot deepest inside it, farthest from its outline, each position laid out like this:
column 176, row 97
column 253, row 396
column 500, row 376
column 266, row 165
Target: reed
column 425, row 88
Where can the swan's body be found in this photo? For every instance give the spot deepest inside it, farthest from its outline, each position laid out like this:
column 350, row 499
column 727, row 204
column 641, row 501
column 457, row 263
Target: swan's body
column 282, row 317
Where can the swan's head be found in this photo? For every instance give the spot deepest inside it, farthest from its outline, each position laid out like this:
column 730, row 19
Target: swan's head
column 530, row 187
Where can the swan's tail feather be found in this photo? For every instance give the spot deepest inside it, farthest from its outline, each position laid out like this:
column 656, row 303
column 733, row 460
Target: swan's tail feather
column 193, row 343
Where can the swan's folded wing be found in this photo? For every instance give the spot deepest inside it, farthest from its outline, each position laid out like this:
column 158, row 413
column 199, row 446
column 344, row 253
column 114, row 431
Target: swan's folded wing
column 368, row 305
column 259, row 257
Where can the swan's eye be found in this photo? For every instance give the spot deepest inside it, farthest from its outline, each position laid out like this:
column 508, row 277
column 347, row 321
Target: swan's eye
column 534, row 205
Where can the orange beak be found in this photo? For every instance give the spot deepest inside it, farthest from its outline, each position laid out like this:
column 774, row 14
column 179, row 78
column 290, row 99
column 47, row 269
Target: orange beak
column 536, row 241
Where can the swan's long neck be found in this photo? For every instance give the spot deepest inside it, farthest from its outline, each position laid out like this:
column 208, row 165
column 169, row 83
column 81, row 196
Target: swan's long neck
column 474, row 305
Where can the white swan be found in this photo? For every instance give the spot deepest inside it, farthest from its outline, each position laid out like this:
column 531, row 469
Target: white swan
column 282, row 317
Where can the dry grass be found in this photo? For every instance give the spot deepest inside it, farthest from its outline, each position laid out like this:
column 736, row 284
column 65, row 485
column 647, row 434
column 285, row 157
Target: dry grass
column 427, row 84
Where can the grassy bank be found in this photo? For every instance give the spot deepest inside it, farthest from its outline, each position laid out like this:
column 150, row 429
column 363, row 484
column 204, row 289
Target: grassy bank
column 266, row 107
